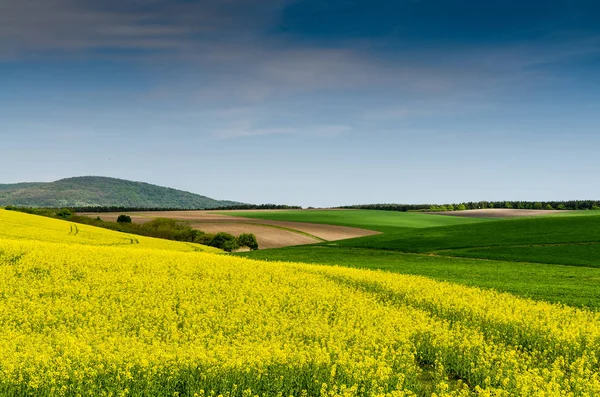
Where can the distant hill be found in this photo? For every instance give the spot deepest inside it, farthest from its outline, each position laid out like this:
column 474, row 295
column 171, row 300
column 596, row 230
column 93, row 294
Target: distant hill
column 94, row 191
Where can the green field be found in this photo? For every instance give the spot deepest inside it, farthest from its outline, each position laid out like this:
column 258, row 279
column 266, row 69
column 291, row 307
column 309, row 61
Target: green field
column 554, row 258
column 382, row 221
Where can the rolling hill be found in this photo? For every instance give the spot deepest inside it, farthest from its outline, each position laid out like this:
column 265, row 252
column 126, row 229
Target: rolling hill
column 94, row 191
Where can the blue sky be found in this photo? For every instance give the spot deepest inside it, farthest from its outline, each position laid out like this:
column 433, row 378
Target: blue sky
column 306, row 102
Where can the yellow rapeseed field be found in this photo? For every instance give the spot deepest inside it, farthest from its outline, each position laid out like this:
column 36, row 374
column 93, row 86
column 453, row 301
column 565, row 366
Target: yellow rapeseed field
column 90, row 312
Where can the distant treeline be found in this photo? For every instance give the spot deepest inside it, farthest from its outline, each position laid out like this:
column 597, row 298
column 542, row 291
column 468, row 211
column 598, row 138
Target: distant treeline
column 128, row 209
column 258, row 207
column 473, row 205
column 155, row 209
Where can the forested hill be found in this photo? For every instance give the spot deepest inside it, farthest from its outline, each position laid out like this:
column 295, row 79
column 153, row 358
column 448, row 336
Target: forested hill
column 93, row 191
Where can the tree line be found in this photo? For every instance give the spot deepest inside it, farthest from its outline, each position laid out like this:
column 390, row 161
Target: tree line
column 104, row 209
column 473, row 205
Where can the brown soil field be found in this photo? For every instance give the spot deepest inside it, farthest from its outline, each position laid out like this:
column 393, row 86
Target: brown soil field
column 269, row 234
column 267, row 237
column 497, row 213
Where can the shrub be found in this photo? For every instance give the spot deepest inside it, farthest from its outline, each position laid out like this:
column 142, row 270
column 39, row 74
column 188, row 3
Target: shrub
column 247, row 240
column 124, row 219
column 224, row 241
column 64, row 213
column 230, row 245
column 170, row 229
column 204, row 238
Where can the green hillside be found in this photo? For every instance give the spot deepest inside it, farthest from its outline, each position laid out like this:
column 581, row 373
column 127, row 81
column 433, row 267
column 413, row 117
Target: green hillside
column 566, row 240
column 16, row 186
column 553, row 258
column 382, row 221
column 92, row 191
column 560, row 240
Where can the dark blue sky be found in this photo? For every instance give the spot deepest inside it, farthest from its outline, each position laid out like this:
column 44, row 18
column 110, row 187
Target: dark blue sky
column 306, row 102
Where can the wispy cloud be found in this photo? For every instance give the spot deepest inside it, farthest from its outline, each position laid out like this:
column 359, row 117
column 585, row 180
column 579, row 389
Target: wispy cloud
column 80, row 25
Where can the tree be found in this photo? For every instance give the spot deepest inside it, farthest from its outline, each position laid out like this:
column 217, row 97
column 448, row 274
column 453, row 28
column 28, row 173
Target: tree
column 64, row 213
column 537, row 206
column 548, row 207
column 247, row 240
column 230, row 246
column 461, row 207
column 224, row 241
column 124, row 219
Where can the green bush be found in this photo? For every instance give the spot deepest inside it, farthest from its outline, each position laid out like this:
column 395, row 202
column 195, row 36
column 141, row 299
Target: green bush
column 64, row 213
column 204, row 238
column 224, row 241
column 124, row 219
column 248, row 240
column 230, row 246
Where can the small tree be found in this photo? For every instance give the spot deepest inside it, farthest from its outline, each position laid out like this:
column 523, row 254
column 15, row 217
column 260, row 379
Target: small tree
column 64, row 213
column 248, row 240
column 225, row 241
column 230, row 246
column 548, row 207
column 461, row 207
column 124, row 219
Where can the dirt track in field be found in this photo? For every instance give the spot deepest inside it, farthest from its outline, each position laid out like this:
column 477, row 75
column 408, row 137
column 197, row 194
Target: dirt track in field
column 269, row 234
column 497, row 213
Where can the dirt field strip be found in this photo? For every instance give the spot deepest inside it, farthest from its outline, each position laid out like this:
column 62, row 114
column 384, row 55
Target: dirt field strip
column 269, row 234
column 266, row 236
column 497, row 213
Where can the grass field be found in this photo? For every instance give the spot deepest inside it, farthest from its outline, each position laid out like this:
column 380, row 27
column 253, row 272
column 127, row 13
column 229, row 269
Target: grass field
column 558, row 239
column 91, row 313
column 519, row 256
column 382, row 221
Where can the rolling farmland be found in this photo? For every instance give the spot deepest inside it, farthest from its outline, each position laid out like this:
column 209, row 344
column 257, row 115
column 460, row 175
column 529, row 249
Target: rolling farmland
column 269, row 233
column 94, row 313
column 552, row 258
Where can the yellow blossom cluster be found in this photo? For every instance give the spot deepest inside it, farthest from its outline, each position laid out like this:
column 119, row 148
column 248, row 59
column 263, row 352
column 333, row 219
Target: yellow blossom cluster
column 96, row 315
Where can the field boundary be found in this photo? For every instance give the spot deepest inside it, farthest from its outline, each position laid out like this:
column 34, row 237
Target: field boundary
column 263, row 224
